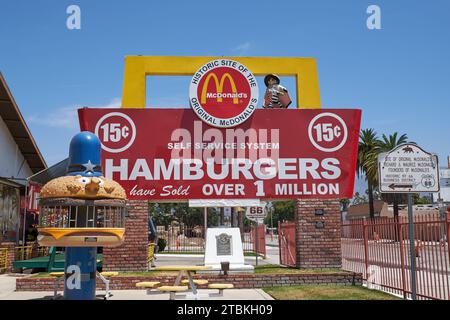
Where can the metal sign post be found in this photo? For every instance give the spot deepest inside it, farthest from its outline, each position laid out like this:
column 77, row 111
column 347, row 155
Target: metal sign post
column 256, row 236
column 256, row 214
column 412, row 247
column 409, row 169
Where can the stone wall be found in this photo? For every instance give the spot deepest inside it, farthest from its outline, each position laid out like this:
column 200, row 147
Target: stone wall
column 240, row 281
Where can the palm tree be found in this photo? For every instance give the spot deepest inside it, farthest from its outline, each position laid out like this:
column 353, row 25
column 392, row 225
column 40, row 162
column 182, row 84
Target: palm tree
column 388, row 144
column 358, row 198
column 391, row 142
column 368, row 149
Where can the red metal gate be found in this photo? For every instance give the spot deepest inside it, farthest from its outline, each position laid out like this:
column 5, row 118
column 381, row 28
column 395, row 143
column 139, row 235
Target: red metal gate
column 379, row 249
column 286, row 241
column 261, row 239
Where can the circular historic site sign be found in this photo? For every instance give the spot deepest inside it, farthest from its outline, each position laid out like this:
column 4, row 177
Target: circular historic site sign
column 223, row 93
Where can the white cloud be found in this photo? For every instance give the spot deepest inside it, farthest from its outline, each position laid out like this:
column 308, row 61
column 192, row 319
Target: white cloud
column 67, row 117
column 114, row 103
column 242, row 49
column 61, row 118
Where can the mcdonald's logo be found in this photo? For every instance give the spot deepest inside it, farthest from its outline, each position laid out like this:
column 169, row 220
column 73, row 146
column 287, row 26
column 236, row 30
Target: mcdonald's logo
column 219, row 88
column 223, row 93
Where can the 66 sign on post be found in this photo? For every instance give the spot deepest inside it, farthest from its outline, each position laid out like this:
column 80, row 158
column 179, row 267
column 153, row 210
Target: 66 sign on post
column 171, row 154
column 256, row 214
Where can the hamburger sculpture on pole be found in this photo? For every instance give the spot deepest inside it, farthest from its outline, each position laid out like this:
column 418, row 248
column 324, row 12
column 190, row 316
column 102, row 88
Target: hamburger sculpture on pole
column 82, row 211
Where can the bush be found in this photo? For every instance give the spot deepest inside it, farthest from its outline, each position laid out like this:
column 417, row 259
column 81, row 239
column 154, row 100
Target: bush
column 161, row 244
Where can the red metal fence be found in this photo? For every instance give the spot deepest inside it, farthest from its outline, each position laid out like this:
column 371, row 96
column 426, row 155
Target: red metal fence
column 379, row 249
column 286, row 242
column 186, row 239
column 261, row 240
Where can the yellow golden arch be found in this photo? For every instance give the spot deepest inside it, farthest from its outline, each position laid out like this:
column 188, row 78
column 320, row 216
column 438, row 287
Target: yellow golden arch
column 219, row 86
column 137, row 68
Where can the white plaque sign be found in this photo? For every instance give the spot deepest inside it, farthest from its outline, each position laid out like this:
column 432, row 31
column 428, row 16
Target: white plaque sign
column 408, row 169
column 225, row 245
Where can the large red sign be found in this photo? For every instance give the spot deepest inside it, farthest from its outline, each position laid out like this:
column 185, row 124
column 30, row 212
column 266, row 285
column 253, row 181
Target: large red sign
column 169, row 154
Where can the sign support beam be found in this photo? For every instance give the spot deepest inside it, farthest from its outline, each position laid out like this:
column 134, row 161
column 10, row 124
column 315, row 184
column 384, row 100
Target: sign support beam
column 256, row 241
column 137, row 68
column 412, row 247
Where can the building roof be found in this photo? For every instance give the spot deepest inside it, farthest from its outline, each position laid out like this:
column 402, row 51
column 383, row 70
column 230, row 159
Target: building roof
column 420, row 209
column 55, row 171
column 362, row 210
column 10, row 113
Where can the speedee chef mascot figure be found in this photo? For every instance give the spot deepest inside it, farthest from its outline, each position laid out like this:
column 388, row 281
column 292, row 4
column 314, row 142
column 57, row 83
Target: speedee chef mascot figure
column 82, row 211
column 276, row 95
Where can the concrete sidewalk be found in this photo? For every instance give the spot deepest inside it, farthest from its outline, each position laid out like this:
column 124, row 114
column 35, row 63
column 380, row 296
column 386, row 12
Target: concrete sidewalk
column 230, row 294
column 7, row 285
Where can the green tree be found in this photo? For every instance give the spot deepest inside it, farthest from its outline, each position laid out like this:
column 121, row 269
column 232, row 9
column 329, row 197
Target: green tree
column 421, row 200
column 368, row 150
column 161, row 213
column 359, row 199
column 393, row 141
column 166, row 213
column 282, row 210
column 344, row 204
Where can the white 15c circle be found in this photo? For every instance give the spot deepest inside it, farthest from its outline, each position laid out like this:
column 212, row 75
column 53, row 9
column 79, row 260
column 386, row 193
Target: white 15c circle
column 133, row 131
column 315, row 144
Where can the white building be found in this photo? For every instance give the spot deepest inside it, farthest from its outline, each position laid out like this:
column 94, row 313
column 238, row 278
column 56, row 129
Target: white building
column 444, row 181
column 19, row 159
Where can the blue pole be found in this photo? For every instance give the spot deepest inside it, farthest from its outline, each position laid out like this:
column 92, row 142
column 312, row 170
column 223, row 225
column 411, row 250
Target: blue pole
column 80, row 269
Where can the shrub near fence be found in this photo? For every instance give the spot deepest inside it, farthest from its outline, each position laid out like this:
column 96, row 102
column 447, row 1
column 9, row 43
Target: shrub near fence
column 379, row 249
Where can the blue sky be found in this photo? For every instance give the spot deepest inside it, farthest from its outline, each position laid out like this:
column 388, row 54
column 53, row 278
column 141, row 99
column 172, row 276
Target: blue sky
column 398, row 76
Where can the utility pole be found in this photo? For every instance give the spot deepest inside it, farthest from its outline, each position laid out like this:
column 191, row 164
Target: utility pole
column 205, row 215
